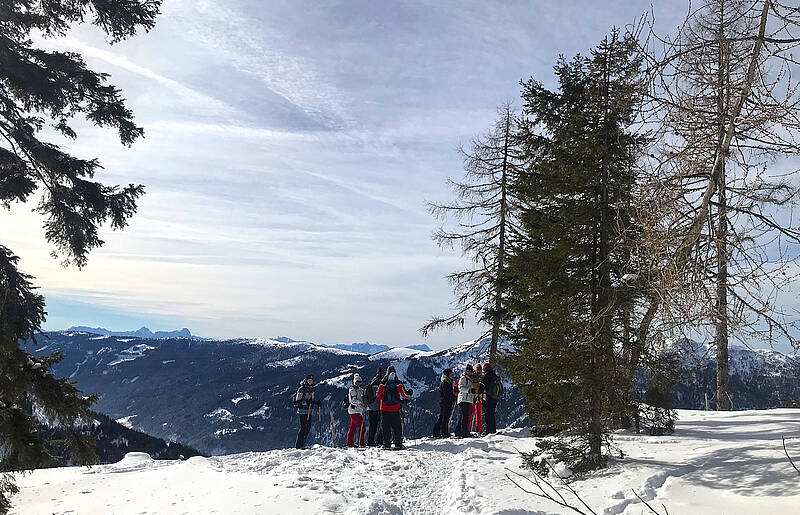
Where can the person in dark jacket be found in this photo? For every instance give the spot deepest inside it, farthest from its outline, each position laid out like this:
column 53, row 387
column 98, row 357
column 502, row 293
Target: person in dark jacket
column 304, row 402
column 466, row 398
column 447, row 399
column 374, row 434
column 493, row 386
column 391, row 393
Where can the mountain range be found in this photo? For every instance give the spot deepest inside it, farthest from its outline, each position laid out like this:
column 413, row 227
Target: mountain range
column 225, row 396
column 359, row 347
column 142, row 332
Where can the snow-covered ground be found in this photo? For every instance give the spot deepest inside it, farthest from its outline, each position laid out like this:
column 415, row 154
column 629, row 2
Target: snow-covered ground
column 730, row 463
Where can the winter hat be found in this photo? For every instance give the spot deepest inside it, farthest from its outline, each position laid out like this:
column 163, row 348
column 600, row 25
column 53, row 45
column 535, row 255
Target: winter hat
column 310, row 376
column 356, row 378
column 487, row 366
column 447, row 372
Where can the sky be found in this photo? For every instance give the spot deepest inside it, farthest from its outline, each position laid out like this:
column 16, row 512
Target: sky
column 290, row 150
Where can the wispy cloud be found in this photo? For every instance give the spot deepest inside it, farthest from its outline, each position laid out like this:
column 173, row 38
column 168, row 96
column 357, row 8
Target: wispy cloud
column 252, row 48
column 189, row 95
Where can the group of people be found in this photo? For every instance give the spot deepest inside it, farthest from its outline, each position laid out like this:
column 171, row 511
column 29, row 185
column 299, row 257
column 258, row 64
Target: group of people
column 382, row 399
column 375, row 408
column 476, row 392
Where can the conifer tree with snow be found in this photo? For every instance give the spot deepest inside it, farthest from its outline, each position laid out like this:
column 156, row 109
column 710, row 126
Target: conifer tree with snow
column 486, row 211
column 40, row 93
column 570, row 301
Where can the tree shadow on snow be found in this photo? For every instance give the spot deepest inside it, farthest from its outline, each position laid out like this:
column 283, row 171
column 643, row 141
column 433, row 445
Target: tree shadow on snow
column 752, row 471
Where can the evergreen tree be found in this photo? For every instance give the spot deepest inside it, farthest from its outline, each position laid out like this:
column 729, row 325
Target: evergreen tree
column 38, row 89
column 486, row 210
column 571, row 303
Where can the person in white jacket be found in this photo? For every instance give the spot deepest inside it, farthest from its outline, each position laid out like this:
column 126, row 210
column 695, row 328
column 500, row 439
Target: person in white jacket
column 356, row 411
column 466, row 396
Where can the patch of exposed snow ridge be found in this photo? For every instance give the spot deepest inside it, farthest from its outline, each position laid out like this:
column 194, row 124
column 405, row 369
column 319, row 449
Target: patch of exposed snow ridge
column 126, row 421
column 220, row 414
column 131, row 353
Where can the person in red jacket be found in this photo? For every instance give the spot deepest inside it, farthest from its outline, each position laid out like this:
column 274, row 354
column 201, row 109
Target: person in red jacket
column 391, row 393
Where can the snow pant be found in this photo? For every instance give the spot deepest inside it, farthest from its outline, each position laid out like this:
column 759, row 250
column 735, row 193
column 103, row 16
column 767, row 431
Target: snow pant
column 305, row 427
column 392, row 427
column 489, row 408
column 477, row 417
column 375, row 434
column 442, row 426
column 356, row 427
column 463, row 422
column 471, row 421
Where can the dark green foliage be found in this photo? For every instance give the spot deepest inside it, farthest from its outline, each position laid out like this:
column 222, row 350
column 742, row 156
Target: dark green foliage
column 656, row 413
column 571, row 306
column 26, row 384
column 41, row 88
column 566, row 448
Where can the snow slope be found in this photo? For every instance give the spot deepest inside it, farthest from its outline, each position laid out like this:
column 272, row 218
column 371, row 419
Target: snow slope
column 729, row 463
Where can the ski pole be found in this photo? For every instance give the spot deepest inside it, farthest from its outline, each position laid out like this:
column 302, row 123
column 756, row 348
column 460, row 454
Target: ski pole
column 413, row 424
column 333, row 434
column 319, row 412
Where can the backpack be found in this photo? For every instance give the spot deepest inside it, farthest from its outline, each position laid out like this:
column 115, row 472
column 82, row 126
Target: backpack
column 495, row 389
column 298, row 403
column 369, row 395
column 346, row 401
column 390, row 395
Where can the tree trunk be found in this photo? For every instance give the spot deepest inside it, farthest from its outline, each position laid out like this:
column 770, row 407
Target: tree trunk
column 602, row 338
column 721, row 334
column 499, row 280
column 721, row 308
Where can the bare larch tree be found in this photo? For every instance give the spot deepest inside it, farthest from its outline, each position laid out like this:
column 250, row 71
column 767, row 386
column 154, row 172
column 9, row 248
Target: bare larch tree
column 485, row 209
column 722, row 254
